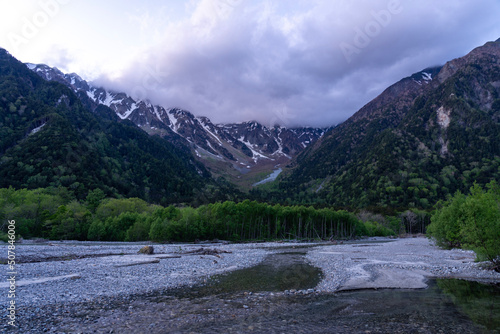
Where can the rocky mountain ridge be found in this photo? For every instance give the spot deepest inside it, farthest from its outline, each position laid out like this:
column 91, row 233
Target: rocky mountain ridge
column 234, row 148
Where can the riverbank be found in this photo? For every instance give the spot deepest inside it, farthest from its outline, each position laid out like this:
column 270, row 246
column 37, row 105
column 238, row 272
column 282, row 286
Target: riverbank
column 396, row 264
column 87, row 287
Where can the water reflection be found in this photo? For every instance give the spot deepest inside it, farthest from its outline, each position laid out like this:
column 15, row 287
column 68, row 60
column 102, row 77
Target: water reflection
column 368, row 311
column 446, row 306
column 225, row 305
column 479, row 302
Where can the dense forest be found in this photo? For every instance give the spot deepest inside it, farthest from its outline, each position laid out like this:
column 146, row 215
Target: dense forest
column 55, row 213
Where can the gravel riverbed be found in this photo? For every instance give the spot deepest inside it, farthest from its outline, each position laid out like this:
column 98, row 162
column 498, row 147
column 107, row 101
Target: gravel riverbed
column 94, row 287
column 64, row 273
column 70, row 272
column 400, row 263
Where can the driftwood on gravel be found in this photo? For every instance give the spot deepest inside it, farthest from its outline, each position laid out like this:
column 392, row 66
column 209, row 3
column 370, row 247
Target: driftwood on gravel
column 214, row 241
column 206, row 251
column 137, row 263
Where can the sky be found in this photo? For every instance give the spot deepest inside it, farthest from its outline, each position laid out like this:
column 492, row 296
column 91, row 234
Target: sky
column 292, row 63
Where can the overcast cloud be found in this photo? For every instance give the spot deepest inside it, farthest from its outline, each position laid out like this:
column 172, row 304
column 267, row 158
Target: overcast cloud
column 306, row 63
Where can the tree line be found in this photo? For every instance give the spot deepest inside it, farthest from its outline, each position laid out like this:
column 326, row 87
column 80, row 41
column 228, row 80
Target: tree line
column 53, row 213
column 464, row 221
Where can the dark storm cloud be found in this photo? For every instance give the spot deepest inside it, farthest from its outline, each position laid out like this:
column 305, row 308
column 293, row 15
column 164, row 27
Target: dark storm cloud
column 307, row 63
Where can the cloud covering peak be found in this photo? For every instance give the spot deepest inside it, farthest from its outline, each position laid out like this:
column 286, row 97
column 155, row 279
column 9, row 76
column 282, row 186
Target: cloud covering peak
column 310, row 63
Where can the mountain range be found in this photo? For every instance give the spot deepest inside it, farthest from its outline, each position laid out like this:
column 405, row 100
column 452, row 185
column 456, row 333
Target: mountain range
column 422, row 139
column 244, row 152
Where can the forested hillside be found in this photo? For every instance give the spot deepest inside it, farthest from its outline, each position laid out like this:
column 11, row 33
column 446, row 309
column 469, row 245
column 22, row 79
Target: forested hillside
column 422, row 139
column 49, row 139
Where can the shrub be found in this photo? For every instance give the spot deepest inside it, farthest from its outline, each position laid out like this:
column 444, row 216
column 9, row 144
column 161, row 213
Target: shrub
column 374, row 229
column 472, row 222
column 481, row 227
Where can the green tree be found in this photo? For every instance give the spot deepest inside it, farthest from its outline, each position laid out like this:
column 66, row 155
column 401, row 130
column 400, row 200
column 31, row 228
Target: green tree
column 71, row 221
column 139, row 231
column 94, row 198
column 447, row 222
column 97, row 231
column 114, row 207
column 472, row 222
column 160, row 222
column 481, row 227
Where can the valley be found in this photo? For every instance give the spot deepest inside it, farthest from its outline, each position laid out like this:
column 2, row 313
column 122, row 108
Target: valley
column 241, row 152
column 229, row 166
column 409, row 147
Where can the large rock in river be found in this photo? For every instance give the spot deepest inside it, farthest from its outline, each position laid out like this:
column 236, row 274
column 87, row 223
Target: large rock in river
column 146, row 250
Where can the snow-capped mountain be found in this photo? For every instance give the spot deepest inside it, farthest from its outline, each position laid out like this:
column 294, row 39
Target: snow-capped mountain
column 243, row 145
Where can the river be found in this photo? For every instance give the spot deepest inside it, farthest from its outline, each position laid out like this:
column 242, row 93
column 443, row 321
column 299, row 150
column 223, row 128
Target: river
column 270, row 178
column 278, row 296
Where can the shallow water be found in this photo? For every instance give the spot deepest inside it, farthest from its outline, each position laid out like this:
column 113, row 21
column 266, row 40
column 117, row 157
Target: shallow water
column 384, row 311
column 446, row 306
column 278, row 272
column 479, row 302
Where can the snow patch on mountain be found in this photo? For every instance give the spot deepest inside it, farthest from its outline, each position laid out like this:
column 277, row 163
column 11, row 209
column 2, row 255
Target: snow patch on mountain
column 426, row 76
